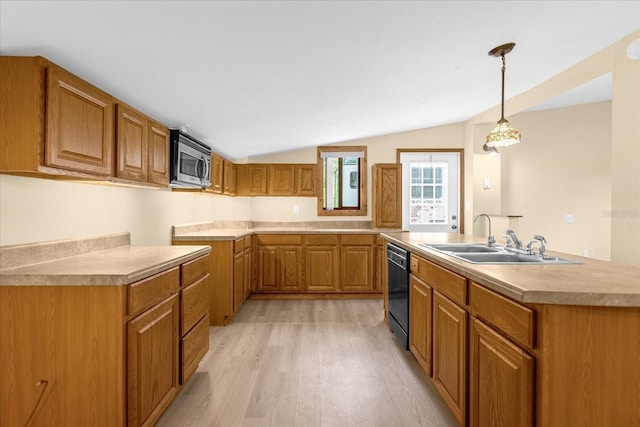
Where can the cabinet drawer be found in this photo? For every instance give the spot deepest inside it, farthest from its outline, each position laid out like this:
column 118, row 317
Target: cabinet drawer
column 357, row 239
column 379, row 240
column 447, row 282
column 279, row 239
column 321, row 239
column 193, row 270
column 150, row 291
column 238, row 246
column 515, row 320
column 194, row 304
column 193, row 347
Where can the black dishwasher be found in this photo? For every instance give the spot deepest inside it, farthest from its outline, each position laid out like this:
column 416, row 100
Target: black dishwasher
column 398, row 293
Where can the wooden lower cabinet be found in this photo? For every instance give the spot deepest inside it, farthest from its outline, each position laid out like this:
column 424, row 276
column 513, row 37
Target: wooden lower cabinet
column 100, row 355
column 322, row 268
column 420, row 319
column 152, row 362
column 501, row 379
column 279, row 269
column 450, row 354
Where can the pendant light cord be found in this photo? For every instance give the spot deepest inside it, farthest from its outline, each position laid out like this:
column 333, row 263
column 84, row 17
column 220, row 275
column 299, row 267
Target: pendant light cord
column 502, row 105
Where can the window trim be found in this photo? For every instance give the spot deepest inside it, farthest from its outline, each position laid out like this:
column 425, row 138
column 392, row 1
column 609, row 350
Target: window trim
column 362, row 170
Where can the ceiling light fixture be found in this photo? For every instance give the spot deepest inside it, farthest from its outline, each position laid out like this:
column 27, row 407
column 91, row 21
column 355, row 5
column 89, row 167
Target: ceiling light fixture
column 503, row 134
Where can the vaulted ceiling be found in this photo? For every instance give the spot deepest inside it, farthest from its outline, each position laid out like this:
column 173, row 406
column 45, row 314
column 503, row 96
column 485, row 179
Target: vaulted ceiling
column 257, row 77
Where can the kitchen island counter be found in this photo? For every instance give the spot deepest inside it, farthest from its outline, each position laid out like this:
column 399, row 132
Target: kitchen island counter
column 591, row 283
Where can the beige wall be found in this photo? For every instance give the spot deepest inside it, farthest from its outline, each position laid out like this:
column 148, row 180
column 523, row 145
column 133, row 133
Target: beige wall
column 562, row 166
column 36, row 210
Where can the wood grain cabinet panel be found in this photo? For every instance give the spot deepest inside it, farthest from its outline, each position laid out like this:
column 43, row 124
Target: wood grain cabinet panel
column 279, row 266
column 387, row 195
column 152, row 362
column 194, row 304
column 148, row 292
column 193, row 347
column 253, row 179
column 356, row 268
column 450, row 354
column 132, row 141
column 229, row 178
column 217, row 170
column 80, row 121
column 501, row 386
column 420, row 297
column 305, row 176
column 158, row 149
column 322, row 268
column 281, row 178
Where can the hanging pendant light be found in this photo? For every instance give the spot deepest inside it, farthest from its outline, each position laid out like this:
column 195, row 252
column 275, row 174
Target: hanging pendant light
column 503, row 134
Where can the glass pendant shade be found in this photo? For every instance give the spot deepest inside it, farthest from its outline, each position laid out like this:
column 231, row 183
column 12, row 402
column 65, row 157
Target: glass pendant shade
column 503, row 135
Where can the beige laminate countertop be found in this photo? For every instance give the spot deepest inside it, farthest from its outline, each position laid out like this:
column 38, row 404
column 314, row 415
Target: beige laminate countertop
column 62, row 263
column 214, row 234
column 594, row 282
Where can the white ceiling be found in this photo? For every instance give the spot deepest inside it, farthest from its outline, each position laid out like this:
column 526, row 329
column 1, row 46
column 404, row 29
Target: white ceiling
column 257, row 77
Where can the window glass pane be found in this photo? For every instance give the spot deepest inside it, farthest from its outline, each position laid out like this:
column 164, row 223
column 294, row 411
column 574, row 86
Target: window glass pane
column 427, row 191
column 438, row 175
column 415, row 192
column 438, row 192
column 427, row 176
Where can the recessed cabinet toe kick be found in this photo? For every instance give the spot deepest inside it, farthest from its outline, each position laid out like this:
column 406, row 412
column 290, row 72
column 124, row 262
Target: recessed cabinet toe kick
column 496, row 361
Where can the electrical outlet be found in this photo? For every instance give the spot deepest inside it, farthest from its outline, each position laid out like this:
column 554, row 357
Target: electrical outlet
column 585, row 252
column 568, row 218
column 296, row 210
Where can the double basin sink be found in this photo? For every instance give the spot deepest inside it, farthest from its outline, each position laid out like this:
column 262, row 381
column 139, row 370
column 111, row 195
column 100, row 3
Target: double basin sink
column 483, row 254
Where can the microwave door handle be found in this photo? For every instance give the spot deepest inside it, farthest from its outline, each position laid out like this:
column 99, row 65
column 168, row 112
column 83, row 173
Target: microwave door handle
column 207, row 168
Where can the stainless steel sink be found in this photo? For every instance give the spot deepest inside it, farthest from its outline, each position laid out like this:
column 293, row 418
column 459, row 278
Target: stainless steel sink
column 462, row 247
column 482, row 254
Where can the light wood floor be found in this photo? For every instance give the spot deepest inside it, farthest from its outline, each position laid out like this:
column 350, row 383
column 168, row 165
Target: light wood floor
column 307, row 363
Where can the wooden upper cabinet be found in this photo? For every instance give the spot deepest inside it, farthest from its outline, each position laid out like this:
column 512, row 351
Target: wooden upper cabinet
column 132, row 144
column 216, row 173
column 281, row 179
column 305, row 180
column 229, row 178
column 56, row 124
column 80, row 118
column 158, row 149
column 387, row 195
column 142, row 147
column 252, row 179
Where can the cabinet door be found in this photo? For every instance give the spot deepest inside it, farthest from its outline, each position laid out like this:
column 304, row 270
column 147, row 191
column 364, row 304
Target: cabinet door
column 247, row 269
column 356, row 268
column 420, row 322
column 322, row 268
column 229, row 178
column 281, row 180
column 501, row 381
column 450, row 354
column 306, row 180
column 216, row 173
column 80, row 120
column 238, row 280
column 387, row 195
column 267, row 274
column 255, row 179
column 132, row 144
column 158, row 149
column 290, row 260
column 152, row 362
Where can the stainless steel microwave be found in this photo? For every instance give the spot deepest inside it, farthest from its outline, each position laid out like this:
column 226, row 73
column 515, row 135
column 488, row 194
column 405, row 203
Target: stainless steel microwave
column 190, row 161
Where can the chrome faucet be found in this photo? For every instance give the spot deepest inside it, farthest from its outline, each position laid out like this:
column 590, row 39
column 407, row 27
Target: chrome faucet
column 490, row 239
column 541, row 241
column 512, row 235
